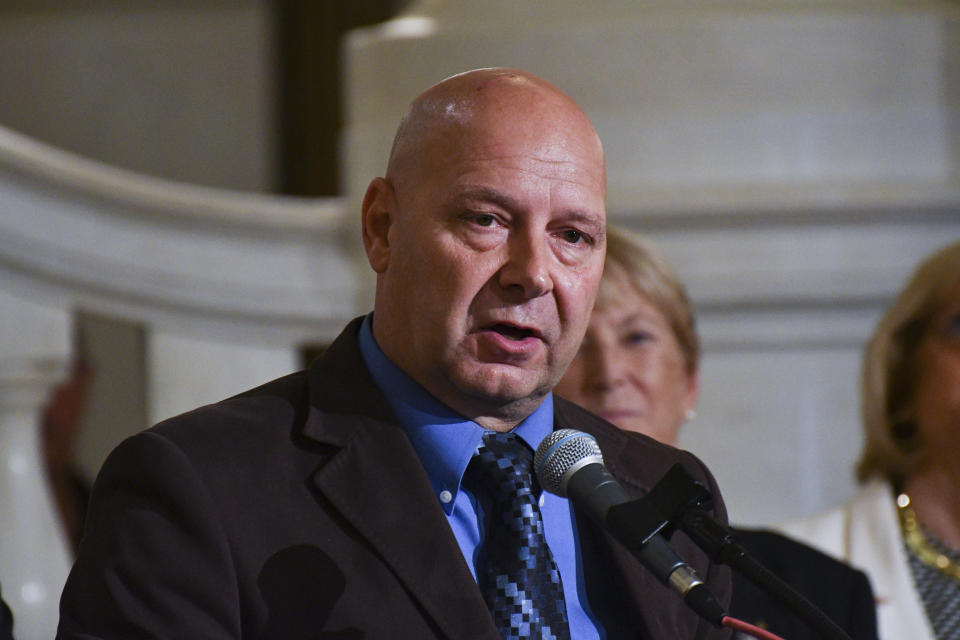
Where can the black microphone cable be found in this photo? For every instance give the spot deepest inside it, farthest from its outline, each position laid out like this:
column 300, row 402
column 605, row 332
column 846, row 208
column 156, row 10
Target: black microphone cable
column 681, row 495
column 569, row 463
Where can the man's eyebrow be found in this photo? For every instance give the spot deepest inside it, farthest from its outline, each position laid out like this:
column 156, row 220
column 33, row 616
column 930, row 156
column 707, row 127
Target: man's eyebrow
column 488, row 194
column 588, row 219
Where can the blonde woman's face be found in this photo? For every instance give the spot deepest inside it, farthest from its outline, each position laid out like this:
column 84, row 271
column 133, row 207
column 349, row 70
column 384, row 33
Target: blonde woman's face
column 936, row 399
column 630, row 370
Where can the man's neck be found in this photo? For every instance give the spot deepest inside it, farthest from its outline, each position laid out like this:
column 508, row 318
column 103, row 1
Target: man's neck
column 494, row 416
column 495, row 424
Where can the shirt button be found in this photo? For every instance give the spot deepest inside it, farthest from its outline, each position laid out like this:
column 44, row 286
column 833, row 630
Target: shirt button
column 446, row 497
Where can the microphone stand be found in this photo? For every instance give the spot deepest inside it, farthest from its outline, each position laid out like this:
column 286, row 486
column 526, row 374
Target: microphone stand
column 683, row 500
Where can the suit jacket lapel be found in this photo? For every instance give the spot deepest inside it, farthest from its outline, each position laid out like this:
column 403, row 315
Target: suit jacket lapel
column 377, row 482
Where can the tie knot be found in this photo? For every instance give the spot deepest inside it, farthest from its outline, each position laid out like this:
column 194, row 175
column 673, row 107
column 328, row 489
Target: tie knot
column 505, row 464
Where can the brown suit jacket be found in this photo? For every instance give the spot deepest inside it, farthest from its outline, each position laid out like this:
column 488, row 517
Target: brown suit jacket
column 6, row 622
column 300, row 510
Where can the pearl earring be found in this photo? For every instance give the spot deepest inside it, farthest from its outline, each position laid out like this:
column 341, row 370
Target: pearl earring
column 689, row 414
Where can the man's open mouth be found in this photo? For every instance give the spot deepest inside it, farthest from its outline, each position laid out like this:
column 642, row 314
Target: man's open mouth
column 513, row 332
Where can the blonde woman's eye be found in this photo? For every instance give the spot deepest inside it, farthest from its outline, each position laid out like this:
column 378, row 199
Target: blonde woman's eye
column 638, row 337
column 952, row 328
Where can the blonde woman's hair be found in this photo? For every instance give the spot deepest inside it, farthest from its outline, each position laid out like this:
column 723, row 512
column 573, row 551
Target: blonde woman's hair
column 891, row 447
column 635, row 262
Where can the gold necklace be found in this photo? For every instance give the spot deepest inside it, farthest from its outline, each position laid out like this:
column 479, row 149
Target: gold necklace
column 919, row 543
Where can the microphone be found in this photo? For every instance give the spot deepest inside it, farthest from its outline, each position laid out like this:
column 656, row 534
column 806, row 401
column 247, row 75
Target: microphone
column 569, row 463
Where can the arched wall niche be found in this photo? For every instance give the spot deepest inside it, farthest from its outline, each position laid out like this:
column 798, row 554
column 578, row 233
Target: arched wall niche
column 794, row 160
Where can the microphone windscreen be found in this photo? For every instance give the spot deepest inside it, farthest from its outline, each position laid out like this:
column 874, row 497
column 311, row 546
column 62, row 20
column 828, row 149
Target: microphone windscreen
column 561, row 454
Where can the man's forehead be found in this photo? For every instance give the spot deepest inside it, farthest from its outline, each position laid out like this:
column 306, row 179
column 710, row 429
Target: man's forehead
column 547, row 144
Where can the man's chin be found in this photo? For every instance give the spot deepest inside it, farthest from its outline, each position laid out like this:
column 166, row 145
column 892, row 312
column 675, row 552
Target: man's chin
column 503, row 386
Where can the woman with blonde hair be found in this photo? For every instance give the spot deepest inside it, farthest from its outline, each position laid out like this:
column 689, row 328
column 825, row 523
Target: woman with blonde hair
column 903, row 526
column 638, row 363
column 638, row 368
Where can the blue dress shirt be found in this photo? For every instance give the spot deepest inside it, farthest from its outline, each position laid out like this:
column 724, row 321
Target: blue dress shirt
column 445, row 441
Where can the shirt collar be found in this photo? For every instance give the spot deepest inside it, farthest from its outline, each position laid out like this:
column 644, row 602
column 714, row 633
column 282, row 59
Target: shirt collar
column 443, row 439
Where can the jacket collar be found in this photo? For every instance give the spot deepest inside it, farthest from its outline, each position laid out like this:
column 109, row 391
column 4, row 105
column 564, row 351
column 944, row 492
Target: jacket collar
column 379, row 486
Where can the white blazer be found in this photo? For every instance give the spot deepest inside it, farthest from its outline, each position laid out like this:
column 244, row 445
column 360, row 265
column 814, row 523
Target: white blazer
column 865, row 532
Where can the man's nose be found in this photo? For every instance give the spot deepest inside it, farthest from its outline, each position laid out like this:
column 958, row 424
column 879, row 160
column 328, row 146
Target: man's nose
column 527, row 268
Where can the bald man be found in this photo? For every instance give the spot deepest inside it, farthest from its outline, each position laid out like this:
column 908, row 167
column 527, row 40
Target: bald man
column 335, row 502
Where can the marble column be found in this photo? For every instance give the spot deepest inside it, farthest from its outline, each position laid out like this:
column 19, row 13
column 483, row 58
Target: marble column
column 34, row 553
column 187, row 371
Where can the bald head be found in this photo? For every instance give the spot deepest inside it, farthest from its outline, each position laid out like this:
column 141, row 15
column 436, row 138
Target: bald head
column 487, row 235
column 470, row 104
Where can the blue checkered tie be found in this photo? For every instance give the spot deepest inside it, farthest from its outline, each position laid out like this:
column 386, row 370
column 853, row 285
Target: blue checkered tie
column 517, row 575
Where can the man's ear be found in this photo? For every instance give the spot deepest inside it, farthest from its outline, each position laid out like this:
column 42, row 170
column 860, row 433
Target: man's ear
column 379, row 206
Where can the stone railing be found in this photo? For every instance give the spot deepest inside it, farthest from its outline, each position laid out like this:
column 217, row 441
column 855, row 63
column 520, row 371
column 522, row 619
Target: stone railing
column 227, row 286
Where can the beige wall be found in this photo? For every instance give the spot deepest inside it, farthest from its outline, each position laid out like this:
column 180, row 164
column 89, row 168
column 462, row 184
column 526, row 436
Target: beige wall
column 180, row 90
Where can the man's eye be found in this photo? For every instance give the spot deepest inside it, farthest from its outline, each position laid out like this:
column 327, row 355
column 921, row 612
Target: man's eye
column 572, row 236
column 484, row 219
